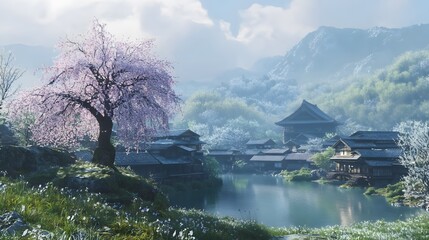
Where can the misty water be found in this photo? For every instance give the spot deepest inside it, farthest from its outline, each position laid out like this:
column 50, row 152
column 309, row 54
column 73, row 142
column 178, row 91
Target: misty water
column 272, row 201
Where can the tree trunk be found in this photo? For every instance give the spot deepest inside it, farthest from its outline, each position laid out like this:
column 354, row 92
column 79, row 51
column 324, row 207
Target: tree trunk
column 105, row 152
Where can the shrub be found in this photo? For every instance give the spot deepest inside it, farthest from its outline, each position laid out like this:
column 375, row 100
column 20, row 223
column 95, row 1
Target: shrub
column 211, row 167
column 370, row 191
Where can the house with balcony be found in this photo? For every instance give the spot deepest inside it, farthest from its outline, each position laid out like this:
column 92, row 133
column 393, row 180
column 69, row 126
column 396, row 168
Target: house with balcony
column 373, row 155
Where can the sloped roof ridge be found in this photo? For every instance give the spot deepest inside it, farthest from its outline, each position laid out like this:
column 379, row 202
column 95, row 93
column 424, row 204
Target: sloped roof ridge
column 259, row 141
column 382, row 135
column 175, row 132
column 312, row 109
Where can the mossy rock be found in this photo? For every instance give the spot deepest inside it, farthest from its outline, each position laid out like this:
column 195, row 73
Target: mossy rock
column 83, row 175
column 17, row 160
column 119, row 185
column 42, row 177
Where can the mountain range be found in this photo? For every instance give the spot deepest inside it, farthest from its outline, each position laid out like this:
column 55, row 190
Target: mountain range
column 331, row 53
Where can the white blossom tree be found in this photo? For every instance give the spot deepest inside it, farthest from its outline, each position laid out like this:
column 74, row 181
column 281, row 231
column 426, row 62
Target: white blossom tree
column 414, row 141
column 96, row 82
column 9, row 74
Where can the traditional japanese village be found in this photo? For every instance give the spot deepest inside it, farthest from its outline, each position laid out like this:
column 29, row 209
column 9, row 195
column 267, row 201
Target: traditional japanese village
column 213, row 120
column 365, row 157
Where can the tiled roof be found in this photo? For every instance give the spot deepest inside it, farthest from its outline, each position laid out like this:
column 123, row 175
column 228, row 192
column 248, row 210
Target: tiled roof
column 176, row 133
column 353, row 144
column 298, row 156
column 375, row 135
column 175, row 142
column 188, row 149
column 260, row 142
column 275, row 151
column 315, row 115
column 267, row 158
column 385, row 153
column 220, row 153
column 252, row 151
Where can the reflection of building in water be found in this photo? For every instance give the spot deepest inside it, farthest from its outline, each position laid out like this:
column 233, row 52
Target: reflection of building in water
column 346, row 215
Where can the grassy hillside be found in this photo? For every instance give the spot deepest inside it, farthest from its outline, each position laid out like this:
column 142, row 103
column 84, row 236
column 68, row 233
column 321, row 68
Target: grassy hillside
column 379, row 101
column 55, row 212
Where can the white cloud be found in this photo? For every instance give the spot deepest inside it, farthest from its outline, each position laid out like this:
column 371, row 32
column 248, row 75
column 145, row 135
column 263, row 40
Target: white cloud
column 198, row 45
column 190, row 10
column 270, row 30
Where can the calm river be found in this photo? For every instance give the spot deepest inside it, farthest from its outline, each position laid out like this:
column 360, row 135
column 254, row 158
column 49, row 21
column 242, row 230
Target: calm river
column 274, row 202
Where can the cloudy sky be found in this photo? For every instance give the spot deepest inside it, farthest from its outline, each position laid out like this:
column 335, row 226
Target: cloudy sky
column 202, row 37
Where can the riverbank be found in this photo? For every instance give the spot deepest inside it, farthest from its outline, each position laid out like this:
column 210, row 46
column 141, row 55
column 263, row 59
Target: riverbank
column 47, row 211
column 412, row 228
column 57, row 213
column 53, row 213
column 393, row 193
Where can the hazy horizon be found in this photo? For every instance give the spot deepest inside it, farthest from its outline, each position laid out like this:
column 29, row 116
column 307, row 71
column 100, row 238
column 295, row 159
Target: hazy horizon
column 202, row 38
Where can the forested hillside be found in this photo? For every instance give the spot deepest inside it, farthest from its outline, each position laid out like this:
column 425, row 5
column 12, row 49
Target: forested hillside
column 366, row 79
column 397, row 93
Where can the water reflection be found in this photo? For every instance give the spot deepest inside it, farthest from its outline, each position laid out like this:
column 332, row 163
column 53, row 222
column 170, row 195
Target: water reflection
column 272, row 201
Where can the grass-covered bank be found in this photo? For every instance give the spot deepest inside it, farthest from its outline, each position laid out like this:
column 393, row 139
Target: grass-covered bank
column 60, row 203
column 303, row 174
column 416, row 228
column 67, row 213
column 394, row 194
column 78, row 214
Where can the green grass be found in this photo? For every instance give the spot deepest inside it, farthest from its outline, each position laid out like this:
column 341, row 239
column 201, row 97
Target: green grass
column 304, row 174
column 413, row 228
column 394, row 194
column 79, row 214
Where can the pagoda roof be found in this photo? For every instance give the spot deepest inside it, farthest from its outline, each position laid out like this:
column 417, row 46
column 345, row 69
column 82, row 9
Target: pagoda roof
column 307, row 113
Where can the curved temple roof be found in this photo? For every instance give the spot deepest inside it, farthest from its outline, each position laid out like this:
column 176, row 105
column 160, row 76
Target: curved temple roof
column 307, row 113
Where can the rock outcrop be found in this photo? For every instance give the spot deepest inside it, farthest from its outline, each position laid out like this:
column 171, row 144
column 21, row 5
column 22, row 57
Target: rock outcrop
column 6, row 136
column 21, row 160
column 12, row 223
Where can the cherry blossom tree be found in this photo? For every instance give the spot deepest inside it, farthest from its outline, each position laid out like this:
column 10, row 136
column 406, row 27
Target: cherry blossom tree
column 98, row 83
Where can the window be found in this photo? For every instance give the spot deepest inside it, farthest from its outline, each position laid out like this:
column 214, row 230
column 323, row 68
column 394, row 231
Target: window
column 278, row 165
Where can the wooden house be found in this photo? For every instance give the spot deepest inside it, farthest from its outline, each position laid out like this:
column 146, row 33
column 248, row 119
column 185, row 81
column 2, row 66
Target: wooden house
column 159, row 166
column 373, row 155
column 182, row 137
column 176, row 153
column 225, row 157
column 255, row 147
column 261, row 144
column 307, row 122
column 277, row 162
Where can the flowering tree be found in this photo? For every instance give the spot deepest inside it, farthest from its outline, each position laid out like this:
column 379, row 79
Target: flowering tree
column 95, row 83
column 8, row 77
column 414, row 141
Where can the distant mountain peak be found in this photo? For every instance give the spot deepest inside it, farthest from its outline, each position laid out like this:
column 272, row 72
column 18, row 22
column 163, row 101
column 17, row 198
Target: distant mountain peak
column 330, row 52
